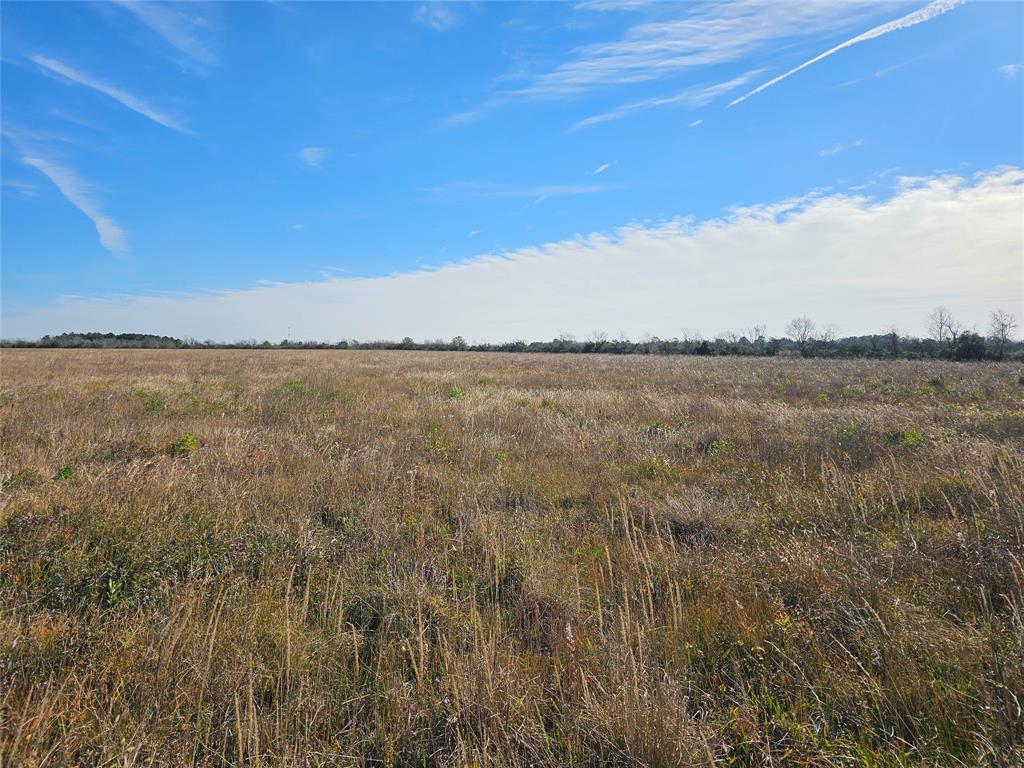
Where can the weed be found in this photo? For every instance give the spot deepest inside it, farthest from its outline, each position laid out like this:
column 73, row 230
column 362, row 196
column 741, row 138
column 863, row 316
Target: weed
column 185, row 444
column 717, row 446
column 852, row 392
column 650, row 469
column 909, row 437
column 152, row 401
column 291, row 389
column 456, row 393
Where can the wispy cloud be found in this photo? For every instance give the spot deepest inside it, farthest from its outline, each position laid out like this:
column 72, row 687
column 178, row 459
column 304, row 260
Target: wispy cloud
column 612, row 5
column 23, row 188
column 313, row 157
column 705, row 34
column 297, row 227
column 477, row 190
column 850, row 259
column 470, row 115
column 436, row 15
column 78, row 193
column 919, row 16
column 1010, row 70
column 473, row 233
column 175, row 23
column 695, row 96
column 125, row 99
column 601, row 169
column 839, row 147
column 695, row 123
column 701, row 34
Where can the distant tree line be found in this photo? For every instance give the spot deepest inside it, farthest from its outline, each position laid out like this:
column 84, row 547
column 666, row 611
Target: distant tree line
column 948, row 339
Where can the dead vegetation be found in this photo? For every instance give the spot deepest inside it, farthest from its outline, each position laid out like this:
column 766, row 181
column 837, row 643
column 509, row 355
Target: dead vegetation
column 352, row 558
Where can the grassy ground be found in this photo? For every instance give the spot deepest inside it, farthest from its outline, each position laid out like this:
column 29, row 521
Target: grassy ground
column 274, row 558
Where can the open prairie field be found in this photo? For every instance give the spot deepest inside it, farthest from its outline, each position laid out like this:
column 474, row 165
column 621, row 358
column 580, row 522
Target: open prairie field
column 351, row 558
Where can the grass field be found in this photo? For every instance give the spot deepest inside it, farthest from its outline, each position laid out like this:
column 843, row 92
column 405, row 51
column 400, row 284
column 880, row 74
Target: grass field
column 354, row 558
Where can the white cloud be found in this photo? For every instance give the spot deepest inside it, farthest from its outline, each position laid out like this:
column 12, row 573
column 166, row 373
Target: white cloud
column 470, row 115
column 1010, row 70
column 919, row 16
column 438, row 16
column 313, row 157
column 838, row 258
column 705, row 34
column 483, row 190
column 701, row 34
column 297, row 227
column 122, row 97
column 695, row 96
column 695, row 123
column 175, row 24
column 23, row 188
column 79, row 195
column 839, row 147
column 601, row 168
column 612, row 5
column 473, row 233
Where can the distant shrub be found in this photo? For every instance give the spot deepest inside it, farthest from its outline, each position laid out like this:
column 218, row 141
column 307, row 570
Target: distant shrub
column 856, row 440
column 852, row 392
column 456, row 393
column 185, row 444
column 291, row 389
column 437, row 441
column 65, row 473
column 718, row 446
column 910, row 437
column 152, row 401
column 652, row 468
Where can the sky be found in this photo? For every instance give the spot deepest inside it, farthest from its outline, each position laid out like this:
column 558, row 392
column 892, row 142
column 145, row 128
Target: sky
column 320, row 171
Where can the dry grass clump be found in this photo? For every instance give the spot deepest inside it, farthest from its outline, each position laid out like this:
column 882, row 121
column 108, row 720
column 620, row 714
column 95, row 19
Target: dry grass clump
column 350, row 558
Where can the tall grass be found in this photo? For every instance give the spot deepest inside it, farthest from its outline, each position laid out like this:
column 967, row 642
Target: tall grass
column 289, row 559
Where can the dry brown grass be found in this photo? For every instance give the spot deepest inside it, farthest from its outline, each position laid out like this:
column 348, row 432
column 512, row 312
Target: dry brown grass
column 469, row 559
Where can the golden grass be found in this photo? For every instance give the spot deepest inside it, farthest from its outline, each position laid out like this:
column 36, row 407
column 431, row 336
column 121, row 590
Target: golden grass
column 352, row 558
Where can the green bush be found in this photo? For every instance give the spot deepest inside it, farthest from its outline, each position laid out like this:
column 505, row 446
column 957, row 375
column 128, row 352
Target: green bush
column 185, row 444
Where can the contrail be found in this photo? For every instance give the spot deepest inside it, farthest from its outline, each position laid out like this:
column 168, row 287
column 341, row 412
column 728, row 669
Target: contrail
column 927, row 13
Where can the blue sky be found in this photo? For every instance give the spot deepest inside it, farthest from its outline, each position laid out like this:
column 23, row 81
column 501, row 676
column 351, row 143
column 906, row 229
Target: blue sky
column 504, row 170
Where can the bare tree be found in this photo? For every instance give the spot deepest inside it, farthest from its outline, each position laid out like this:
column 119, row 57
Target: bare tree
column 598, row 336
column 1000, row 331
column 943, row 327
column 801, row 330
column 938, row 324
